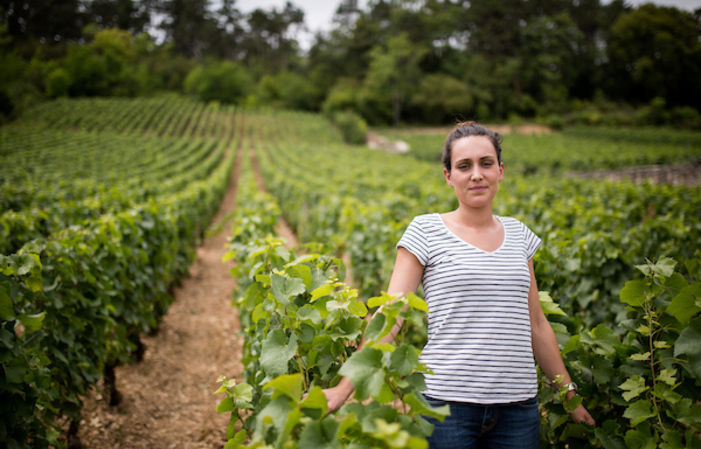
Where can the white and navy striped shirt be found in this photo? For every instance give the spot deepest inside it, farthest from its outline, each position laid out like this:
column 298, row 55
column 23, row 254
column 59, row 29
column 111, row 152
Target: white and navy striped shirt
column 479, row 333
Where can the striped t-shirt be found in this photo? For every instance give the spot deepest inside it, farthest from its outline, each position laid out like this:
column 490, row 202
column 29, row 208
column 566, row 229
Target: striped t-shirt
column 479, row 333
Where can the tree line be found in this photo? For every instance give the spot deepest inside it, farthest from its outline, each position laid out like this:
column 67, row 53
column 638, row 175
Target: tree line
column 390, row 62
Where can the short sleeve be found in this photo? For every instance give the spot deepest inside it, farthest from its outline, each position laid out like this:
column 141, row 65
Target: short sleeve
column 532, row 242
column 414, row 240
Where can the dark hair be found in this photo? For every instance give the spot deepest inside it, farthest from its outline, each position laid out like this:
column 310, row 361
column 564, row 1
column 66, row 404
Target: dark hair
column 467, row 129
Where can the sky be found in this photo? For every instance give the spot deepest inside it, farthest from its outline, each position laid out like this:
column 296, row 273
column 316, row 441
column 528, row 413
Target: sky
column 319, row 13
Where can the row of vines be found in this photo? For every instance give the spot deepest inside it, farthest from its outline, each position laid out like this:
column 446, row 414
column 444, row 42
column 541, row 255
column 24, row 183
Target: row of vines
column 102, row 203
column 629, row 329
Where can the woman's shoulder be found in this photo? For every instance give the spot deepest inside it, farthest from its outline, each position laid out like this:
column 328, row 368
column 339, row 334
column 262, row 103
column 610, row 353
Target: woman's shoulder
column 432, row 219
column 512, row 223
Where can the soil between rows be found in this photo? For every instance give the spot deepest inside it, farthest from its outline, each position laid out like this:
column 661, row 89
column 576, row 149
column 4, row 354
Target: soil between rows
column 167, row 399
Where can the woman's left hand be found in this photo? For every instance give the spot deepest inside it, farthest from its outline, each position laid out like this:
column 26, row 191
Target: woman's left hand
column 580, row 415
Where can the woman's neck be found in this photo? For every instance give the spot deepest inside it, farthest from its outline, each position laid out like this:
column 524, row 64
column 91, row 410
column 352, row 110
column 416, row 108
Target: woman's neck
column 475, row 218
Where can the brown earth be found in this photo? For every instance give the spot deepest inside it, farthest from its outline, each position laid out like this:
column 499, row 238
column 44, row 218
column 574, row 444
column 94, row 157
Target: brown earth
column 689, row 175
column 168, row 399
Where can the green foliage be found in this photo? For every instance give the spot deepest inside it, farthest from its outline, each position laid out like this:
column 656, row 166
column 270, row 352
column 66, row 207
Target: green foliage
column 441, row 98
column 654, row 51
column 393, row 70
column 641, row 385
column 353, row 128
column 288, row 90
column 97, row 255
column 302, row 325
column 58, row 82
column 223, row 81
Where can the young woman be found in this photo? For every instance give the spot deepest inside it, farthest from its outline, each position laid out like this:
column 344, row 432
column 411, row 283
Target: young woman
column 485, row 321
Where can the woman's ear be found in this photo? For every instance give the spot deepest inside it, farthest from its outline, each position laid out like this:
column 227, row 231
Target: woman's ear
column 501, row 171
column 446, row 173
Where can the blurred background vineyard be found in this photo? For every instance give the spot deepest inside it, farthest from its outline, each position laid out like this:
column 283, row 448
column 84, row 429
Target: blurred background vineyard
column 391, row 62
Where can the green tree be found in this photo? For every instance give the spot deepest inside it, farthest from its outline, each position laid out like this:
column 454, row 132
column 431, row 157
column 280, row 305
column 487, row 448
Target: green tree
column 128, row 15
column 655, row 51
column 441, row 97
column 270, row 45
column 223, row 81
column 394, row 69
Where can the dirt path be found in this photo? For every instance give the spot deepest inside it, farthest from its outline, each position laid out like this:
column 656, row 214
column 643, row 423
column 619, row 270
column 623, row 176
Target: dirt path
column 168, row 399
column 283, row 228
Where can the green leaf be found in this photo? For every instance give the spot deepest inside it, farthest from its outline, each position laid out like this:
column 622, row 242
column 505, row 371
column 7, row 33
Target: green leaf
column 639, row 411
column 302, row 272
column 686, row 412
column 357, row 308
column 7, row 310
column 289, row 385
column 312, row 436
column 244, row 392
column 633, row 386
column 374, row 329
column 641, row 438
column 417, row 303
column 15, row 370
column 324, row 290
column 277, row 352
column 601, row 337
column 688, row 344
column 633, row 293
column 283, row 288
column 548, row 305
column 672, row 440
column 236, row 441
column 640, row 357
column 364, row 369
column 26, row 263
column 316, row 399
column 607, row 435
column 684, row 306
column 32, row 322
column 665, row 266
column 419, row 406
column 226, row 405
column 380, row 300
column 34, row 283
column 668, row 376
column 573, row 344
column 404, row 360
column 309, row 313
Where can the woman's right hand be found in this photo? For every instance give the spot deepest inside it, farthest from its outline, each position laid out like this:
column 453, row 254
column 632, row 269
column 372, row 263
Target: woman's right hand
column 337, row 396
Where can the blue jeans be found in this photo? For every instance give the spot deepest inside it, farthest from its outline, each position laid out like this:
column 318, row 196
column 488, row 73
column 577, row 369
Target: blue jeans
column 486, row 426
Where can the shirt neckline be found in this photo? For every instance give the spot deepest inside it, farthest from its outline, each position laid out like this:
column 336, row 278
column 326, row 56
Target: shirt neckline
column 447, row 229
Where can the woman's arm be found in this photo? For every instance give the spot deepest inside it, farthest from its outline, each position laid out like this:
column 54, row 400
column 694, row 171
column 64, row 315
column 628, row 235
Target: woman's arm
column 546, row 350
column 406, row 277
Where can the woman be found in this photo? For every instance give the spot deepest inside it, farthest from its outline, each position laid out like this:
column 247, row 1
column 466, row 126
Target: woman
column 485, row 321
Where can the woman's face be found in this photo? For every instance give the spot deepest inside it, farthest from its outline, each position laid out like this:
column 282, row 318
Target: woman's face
column 475, row 171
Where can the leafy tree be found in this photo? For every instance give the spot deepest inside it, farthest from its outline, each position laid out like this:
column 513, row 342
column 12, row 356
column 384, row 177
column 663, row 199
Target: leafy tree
column 393, row 71
column 223, row 81
column 52, row 21
column 269, row 43
column 441, row 98
column 123, row 14
column 655, row 51
column 188, row 23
